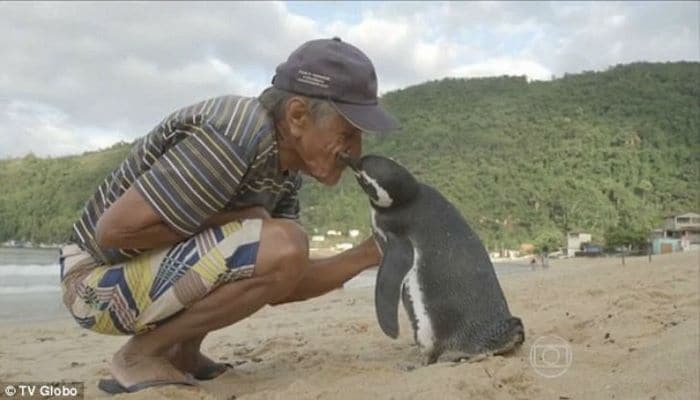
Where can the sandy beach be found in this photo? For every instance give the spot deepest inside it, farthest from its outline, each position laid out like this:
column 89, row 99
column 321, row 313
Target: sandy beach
column 629, row 332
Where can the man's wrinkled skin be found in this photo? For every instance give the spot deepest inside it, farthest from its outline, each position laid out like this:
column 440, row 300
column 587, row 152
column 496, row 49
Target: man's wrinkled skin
column 283, row 271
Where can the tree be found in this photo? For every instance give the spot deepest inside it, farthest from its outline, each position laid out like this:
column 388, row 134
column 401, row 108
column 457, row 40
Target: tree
column 520, row 160
column 548, row 241
column 626, row 236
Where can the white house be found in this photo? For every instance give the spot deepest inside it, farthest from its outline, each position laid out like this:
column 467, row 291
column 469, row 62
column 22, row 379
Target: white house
column 574, row 240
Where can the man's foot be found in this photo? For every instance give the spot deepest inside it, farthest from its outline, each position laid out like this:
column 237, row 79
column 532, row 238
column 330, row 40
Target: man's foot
column 210, row 370
column 112, row 386
column 188, row 359
column 134, row 371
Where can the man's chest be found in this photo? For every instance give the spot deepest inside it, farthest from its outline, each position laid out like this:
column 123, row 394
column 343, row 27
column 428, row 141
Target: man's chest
column 264, row 185
column 266, row 192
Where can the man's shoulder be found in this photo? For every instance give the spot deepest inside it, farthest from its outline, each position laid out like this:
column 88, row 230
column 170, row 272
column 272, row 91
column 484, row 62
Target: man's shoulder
column 222, row 108
column 235, row 118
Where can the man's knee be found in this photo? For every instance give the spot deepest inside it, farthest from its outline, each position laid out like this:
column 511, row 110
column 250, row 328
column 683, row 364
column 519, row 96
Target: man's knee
column 284, row 251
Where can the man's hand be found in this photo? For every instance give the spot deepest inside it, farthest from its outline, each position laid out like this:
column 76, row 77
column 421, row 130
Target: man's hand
column 326, row 274
column 371, row 250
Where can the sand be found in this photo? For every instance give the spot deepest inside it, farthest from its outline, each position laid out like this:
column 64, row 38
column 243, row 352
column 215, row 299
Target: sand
column 631, row 331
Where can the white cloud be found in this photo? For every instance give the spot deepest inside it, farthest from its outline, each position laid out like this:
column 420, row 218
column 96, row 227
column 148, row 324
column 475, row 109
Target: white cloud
column 87, row 74
column 504, row 66
column 47, row 131
column 399, row 48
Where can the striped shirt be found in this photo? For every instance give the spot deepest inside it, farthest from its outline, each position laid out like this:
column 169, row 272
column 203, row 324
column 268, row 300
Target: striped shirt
column 217, row 155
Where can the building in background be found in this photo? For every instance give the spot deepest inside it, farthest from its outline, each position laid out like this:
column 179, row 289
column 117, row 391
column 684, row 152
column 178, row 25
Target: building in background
column 575, row 241
column 678, row 233
column 665, row 245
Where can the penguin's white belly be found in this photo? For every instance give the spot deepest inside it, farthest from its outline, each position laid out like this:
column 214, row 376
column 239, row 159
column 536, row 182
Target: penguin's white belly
column 425, row 336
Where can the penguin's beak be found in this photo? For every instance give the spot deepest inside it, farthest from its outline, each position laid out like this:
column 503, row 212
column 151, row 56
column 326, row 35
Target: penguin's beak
column 350, row 161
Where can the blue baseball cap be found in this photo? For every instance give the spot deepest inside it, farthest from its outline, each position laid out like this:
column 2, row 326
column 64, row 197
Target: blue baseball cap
column 341, row 73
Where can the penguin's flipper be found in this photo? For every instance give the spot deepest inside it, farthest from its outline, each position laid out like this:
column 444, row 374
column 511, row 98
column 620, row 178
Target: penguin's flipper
column 396, row 262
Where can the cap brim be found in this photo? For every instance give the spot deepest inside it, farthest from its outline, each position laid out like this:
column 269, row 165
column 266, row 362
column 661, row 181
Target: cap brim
column 367, row 118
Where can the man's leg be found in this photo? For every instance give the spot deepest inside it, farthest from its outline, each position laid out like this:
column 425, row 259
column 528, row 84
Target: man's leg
column 321, row 276
column 280, row 264
column 187, row 357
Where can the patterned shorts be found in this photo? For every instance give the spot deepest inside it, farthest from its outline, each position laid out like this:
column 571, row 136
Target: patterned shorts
column 137, row 295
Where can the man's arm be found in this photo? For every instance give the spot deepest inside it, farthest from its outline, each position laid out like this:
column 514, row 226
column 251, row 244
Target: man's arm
column 132, row 223
column 179, row 194
column 326, row 274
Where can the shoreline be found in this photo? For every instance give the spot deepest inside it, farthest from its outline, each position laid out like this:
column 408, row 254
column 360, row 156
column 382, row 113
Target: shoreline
column 34, row 294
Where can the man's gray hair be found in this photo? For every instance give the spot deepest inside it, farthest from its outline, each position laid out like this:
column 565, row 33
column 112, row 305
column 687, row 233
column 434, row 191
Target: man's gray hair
column 274, row 100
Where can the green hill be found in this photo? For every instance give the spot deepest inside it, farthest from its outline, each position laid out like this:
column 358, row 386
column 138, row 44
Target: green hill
column 523, row 161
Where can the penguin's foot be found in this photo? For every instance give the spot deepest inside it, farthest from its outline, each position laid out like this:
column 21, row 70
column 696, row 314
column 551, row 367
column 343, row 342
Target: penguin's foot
column 505, row 337
column 512, row 339
column 458, row 357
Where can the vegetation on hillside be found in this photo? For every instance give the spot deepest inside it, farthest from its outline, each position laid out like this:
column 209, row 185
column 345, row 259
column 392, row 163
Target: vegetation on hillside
column 40, row 198
column 602, row 152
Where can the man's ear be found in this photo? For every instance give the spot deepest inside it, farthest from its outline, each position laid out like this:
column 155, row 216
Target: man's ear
column 297, row 116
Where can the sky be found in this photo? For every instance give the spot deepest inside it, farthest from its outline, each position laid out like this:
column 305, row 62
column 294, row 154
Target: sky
column 79, row 76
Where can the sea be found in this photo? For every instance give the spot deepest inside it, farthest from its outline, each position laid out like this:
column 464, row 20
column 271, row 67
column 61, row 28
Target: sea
column 30, row 291
column 29, row 285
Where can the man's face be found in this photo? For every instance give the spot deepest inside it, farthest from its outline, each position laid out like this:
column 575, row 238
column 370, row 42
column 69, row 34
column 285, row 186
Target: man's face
column 322, row 141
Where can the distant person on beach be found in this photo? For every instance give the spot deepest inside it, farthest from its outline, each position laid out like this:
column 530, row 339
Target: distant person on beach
column 544, row 257
column 196, row 229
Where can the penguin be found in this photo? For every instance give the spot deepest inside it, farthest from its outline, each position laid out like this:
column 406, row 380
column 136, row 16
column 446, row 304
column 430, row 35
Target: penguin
column 436, row 265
